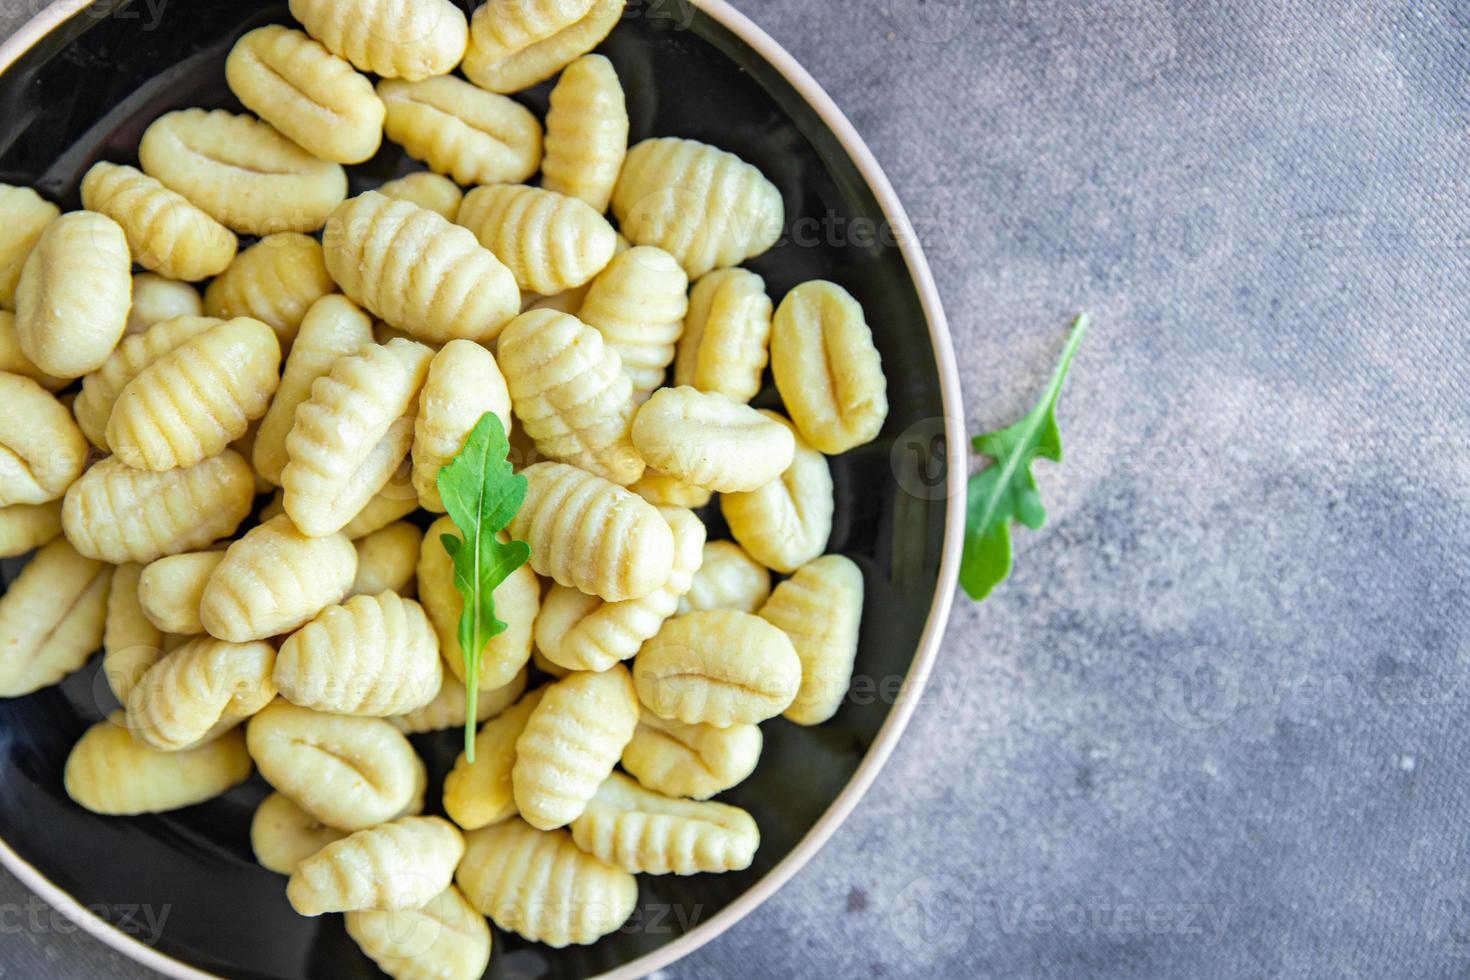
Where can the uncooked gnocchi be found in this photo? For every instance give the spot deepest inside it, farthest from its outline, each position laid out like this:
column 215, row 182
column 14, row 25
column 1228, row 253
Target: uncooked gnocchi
column 447, row 710
column 102, row 388
column 350, row 773
column 117, row 514
column 282, row 835
column 156, row 298
column 373, row 655
column 570, row 744
column 727, row 334
column 647, row 833
column 202, row 689
column 827, row 370
column 458, row 130
column 516, row 43
column 396, row 499
column 276, row 281
column 417, row 271
column 696, row 761
column 785, row 523
column 273, row 580
column 24, row 214
column 819, row 608
column 391, row 38
column 711, row 440
column 351, row 435
column 130, row 642
column 586, row 132
column 42, row 451
column 51, row 618
column 463, row 383
column 394, row 866
column 480, row 793
column 71, row 304
column 592, row 535
column 110, row 772
column 13, row 360
column 387, row 560
column 570, row 393
column 310, row 95
column 550, row 242
column 444, row 939
column 717, row 667
column 540, row 885
column 582, row 632
column 660, row 489
column 728, row 578
column 705, row 207
column 638, row 303
column 27, row 526
column 165, row 232
column 428, row 190
column 169, row 590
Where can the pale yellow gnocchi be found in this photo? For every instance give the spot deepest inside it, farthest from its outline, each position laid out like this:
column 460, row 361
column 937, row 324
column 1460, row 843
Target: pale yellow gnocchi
column 169, row 590
column 586, row 132
column 570, row 394
column 428, row 190
column 397, row 865
column 696, row 761
column 550, row 242
column 199, row 691
column 273, row 580
column 463, row 383
column 156, row 298
column 541, row 886
column 727, row 334
column 348, row 772
column 645, row 832
column 282, row 835
column 310, row 95
column 660, row 489
column 444, row 939
column 711, row 440
column 387, row 560
column 42, row 451
column 24, row 214
column 27, row 526
column 397, row 499
column 417, row 271
column 449, row 706
column 51, row 618
column 827, row 370
column 728, row 578
column 463, row 132
column 110, row 772
column 820, row 608
column 785, row 523
column 130, row 642
column 717, row 667
column 71, row 304
column 164, row 231
column 13, row 360
column 480, row 793
column 275, row 281
column 514, row 44
column 638, row 304
column 391, row 38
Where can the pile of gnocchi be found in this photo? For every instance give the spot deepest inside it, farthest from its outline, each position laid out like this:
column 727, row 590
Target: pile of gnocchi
column 228, row 492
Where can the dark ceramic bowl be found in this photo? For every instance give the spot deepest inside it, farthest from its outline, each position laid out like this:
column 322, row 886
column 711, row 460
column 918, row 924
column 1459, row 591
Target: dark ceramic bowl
column 80, row 83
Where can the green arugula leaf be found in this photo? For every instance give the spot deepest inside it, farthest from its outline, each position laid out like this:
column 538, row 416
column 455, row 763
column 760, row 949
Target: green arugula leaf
column 1005, row 491
column 481, row 492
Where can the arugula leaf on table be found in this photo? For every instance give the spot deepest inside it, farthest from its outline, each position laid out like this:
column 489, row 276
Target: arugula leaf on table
column 1006, row 491
column 481, row 492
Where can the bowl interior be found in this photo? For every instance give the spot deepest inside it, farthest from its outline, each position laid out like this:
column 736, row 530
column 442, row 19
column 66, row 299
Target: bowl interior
column 87, row 91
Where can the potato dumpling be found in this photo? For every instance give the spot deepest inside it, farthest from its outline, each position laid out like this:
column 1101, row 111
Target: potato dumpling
column 718, row 667
column 112, row 773
column 394, row 866
column 51, row 618
column 444, row 939
column 71, row 304
column 648, row 833
column 711, row 440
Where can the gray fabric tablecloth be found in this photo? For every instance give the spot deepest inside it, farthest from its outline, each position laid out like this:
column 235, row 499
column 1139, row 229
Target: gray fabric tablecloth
column 1215, row 725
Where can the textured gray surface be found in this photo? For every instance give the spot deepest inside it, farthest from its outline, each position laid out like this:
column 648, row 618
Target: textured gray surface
column 1215, row 726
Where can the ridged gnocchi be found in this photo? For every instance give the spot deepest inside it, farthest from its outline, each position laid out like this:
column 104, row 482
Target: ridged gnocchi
column 51, row 618
column 311, row 96
column 517, row 603
column 417, row 271
column 275, row 579
column 169, row 590
column 541, row 886
column 42, row 451
column 463, row 383
column 275, row 281
column 582, row 632
column 332, row 327
column 241, row 171
column 130, row 642
column 570, row 394
column 27, row 526
column 638, row 304
column 586, row 132
column 117, row 514
column 444, row 939
column 727, row 334
column 592, row 535
column 164, row 231
column 24, row 214
column 696, row 761
column 717, row 667
column 102, row 388
column 387, row 560
column 461, row 131
column 194, row 401
column 348, row 772
column 447, row 710
column 711, row 440
column 156, row 298
column 647, row 833
column 660, row 489
column 397, row 499
column 516, row 43
column 373, row 655
column 391, row 38
column 728, row 578
column 480, row 793
column 705, row 207
column 71, row 304
column 13, row 360
column 110, row 772
column 550, row 242
column 570, row 744
column 349, row 437
column 397, row 865
column 282, row 835
column 785, row 523
column 827, row 370
column 428, row 190
column 820, row 608
column 197, row 692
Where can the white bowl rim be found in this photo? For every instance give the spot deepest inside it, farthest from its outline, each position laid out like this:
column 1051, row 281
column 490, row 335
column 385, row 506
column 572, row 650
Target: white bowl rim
column 929, row 642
